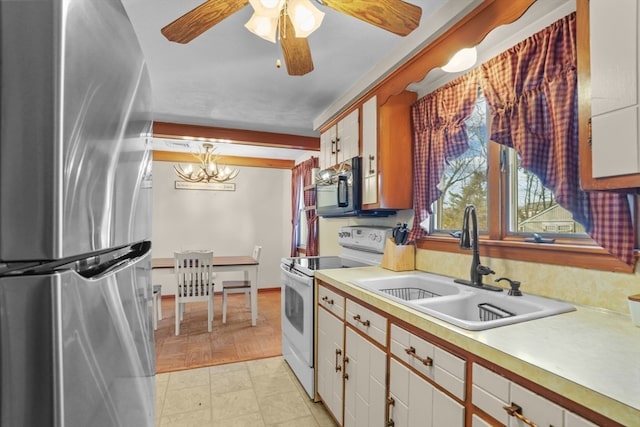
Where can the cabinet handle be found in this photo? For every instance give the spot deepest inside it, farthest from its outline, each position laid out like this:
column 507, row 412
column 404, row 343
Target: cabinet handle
column 337, row 146
column 333, row 144
column 365, row 323
column 345, row 375
column 371, row 169
column 327, row 300
column 338, row 353
column 411, row 351
column 390, row 402
column 516, row 411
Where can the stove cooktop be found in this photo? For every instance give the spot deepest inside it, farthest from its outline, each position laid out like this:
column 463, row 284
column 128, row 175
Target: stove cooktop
column 322, row 263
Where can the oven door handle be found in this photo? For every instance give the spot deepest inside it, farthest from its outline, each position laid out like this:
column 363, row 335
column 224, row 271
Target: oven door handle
column 292, row 274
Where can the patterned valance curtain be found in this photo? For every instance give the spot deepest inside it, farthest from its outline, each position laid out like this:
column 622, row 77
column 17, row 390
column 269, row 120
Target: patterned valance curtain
column 440, row 135
column 310, row 200
column 301, row 177
column 531, row 91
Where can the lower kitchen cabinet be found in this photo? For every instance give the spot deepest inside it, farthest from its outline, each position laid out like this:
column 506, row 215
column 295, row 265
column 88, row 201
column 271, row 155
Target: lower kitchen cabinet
column 413, row 401
column 365, row 382
column 513, row 405
column 374, row 369
column 330, row 357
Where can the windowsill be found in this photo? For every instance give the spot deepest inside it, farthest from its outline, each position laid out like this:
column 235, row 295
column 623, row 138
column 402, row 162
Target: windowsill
column 571, row 255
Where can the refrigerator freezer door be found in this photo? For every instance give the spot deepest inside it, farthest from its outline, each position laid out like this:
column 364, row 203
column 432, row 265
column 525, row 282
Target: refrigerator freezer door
column 77, row 352
column 75, row 140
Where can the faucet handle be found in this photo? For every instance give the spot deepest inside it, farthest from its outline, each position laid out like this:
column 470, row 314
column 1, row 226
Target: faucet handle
column 515, row 286
column 484, row 270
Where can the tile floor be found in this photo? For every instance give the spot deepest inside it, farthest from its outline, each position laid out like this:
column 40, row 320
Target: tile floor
column 256, row 393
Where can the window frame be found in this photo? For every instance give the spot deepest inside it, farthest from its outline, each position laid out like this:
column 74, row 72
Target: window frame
column 497, row 242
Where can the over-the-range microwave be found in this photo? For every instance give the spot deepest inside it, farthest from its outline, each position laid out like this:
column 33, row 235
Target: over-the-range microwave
column 339, row 191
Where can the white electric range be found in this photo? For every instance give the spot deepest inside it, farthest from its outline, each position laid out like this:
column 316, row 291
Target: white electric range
column 360, row 246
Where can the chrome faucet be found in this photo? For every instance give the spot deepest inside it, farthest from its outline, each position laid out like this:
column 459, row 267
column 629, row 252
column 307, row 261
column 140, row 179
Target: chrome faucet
column 468, row 241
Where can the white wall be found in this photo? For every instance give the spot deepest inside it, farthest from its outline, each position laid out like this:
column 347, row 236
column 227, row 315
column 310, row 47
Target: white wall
column 228, row 222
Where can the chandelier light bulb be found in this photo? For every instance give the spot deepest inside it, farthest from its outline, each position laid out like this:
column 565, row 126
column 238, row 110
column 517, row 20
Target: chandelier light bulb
column 305, row 16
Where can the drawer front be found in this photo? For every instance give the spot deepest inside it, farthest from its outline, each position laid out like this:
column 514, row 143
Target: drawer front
column 492, row 383
column 490, row 392
column 365, row 320
column 535, row 407
column 330, row 300
column 413, row 350
column 450, row 372
column 432, row 361
column 490, row 404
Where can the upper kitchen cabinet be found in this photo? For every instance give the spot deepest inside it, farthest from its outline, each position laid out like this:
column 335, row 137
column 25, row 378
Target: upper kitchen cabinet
column 341, row 141
column 609, row 107
column 387, row 165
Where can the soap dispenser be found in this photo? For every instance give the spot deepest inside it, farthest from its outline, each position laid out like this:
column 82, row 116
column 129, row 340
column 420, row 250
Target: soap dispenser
column 515, row 286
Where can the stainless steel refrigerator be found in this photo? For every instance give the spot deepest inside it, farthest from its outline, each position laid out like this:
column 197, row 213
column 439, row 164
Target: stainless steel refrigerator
column 76, row 335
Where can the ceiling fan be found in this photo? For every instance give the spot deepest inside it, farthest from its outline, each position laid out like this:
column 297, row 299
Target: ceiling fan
column 396, row 16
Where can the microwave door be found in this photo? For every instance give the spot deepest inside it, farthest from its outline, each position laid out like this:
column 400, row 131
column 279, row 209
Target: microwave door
column 343, row 191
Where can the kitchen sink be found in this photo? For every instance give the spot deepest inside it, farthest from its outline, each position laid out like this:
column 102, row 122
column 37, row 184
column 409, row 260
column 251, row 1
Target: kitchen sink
column 410, row 287
column 469, row 308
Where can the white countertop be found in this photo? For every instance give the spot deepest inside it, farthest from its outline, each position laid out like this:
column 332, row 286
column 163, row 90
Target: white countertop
column 590, row 356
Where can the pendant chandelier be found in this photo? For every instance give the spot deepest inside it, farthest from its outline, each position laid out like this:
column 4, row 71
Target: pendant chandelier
column 208, row 171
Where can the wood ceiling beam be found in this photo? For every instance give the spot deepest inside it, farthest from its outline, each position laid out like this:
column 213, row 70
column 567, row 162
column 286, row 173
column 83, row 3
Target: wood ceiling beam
column 246, row 137
column 180, row 157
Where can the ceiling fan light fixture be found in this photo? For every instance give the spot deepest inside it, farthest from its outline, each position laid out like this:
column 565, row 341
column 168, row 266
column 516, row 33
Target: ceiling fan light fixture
column 462, row 60
column 305, row 16
column 269, row 8
column 263, row 26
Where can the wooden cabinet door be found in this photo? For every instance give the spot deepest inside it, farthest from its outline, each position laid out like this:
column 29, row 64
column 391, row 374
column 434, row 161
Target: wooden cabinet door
column 614, row 87
column 330, row 361
column 609, row 91
column 327, row 148
column 365, row 382
column 348, row 140
column 370, row 152
column 412, row 397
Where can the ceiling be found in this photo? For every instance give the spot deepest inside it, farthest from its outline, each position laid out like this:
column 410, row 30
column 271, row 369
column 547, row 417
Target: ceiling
column 227, row 76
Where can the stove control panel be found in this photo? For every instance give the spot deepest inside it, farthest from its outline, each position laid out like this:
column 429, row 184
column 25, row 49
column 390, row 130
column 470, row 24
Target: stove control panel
column 362, row 237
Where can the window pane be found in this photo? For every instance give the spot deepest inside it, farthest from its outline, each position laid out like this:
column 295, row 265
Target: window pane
column 465, row 179
column 534, row 208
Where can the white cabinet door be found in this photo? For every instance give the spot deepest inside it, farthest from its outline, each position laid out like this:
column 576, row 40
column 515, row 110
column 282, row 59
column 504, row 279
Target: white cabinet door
column 370, row 151
column 364, row 390
column 348, row 140
column 327, row 148
column 418, row 403
column 330, row 361
column 412, row 395
column 615, row 81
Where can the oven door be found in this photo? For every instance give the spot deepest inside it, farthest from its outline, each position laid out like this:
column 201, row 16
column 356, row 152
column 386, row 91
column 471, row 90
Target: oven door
column 297, row 313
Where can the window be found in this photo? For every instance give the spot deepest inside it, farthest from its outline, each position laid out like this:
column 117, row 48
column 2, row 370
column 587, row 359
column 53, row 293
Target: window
column 532, row 208
column 301, row 226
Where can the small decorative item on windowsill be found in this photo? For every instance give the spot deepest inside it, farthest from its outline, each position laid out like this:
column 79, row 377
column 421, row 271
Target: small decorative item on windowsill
column 398, row 257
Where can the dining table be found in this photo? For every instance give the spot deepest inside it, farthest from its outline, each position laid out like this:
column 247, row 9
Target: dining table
column 244, row 263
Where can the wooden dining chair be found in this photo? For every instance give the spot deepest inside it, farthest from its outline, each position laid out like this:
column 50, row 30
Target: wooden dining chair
column 239, row 286
column 194, row 279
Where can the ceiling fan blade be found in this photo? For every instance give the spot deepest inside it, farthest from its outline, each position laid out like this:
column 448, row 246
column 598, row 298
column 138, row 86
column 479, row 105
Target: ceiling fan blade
column 396, row 16
column 198, row 20
column 296, row 52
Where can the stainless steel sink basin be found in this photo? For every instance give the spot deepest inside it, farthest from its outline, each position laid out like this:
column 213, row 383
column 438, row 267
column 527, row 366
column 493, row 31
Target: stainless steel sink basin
column 469, row 308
